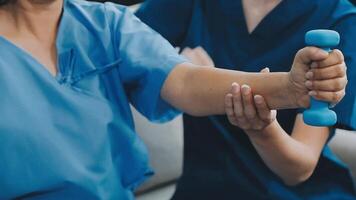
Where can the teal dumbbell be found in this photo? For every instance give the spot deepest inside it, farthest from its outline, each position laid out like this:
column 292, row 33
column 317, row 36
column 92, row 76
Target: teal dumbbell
column 319, row 113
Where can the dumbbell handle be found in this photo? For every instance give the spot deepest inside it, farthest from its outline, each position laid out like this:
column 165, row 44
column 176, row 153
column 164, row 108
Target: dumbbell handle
column 319, row 113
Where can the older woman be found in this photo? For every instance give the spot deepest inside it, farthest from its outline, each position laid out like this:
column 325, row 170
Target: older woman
column 68, row 70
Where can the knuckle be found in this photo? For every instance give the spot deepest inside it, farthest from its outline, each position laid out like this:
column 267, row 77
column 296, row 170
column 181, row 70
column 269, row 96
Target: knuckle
column 316, row 85
column 300, row 51
column 338, row 85
column 336, row 97
column 342, row 94
column 316, row 73
column 339, row 55
column 340, row 70
column 311, row 50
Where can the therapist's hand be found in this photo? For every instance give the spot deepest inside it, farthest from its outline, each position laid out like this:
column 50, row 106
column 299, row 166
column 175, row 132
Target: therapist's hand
column 198, row 56
column 246, row 111
column 250, row 113
column 319, row 74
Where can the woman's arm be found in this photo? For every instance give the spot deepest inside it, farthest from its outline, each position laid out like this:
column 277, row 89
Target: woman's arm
column 292, row 157
column 200, row 91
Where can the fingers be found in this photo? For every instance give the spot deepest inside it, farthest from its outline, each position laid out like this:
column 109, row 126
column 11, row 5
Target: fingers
column 238, row 107
column 229, row 109
column 248, row 102
column 239, row 118
column 308, row 55
column 333, row 97
column 335, row 57
column 329, row 85
column 263, row 111
column 327, row 78
column 335, row 71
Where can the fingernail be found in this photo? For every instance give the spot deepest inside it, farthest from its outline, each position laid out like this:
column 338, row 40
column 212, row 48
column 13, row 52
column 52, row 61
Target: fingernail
column 245, row 89
column 309, row 75
column 266, row 69
column 308, row 84
column 258, row 99
column 234, row 84
column 312, row 93
column 235, row 87
column 314, row 65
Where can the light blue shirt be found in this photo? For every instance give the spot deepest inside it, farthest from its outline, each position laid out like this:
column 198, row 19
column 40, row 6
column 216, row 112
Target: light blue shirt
column 72, row 136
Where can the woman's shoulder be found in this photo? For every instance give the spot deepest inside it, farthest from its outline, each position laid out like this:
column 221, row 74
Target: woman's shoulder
column 95, row 11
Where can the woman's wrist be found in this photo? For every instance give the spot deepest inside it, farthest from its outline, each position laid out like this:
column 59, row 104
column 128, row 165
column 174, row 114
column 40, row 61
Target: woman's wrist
column 291, row 91
column 265, row 134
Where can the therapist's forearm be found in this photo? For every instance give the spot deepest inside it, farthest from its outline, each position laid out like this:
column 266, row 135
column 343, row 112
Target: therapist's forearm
column 290, row 159
column 200, row 91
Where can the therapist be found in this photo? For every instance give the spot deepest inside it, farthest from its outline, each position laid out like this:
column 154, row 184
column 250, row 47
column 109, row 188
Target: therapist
column 68, row 70
column 249, row 35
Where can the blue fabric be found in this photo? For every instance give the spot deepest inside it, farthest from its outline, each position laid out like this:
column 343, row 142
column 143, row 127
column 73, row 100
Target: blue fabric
column 219, row 160
column 72, row 136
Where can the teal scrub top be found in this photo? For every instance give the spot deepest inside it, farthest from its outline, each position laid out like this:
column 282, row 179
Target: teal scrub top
column 72, row 136
column 220, row 162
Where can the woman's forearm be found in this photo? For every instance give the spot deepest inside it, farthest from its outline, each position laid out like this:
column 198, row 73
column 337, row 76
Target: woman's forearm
column 291, row 160
column 202, row 90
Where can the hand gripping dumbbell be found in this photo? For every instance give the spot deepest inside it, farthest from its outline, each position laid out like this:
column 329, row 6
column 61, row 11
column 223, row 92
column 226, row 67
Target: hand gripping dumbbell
column 319, row 113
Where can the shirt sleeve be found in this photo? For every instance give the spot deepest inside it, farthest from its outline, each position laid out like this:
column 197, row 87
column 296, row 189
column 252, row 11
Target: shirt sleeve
column 346, row 109
column 170, row 18
column 146, row 61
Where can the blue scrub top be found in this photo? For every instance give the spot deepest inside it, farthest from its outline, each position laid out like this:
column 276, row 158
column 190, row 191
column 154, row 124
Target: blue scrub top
column 219, row 160
column 72, row 136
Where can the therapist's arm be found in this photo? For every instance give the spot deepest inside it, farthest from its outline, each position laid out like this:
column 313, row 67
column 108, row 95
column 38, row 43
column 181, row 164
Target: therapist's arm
column 200, row 91
column 292, row 157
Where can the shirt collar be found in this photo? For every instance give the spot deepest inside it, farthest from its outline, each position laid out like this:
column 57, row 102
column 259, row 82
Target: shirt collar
column 284, row 16
column 288, row 14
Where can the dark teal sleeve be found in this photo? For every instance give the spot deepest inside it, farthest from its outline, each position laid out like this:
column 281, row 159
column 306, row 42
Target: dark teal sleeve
column 170, row 18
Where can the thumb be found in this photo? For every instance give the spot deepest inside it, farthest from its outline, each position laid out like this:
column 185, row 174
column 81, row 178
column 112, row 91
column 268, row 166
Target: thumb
column 308, row 55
